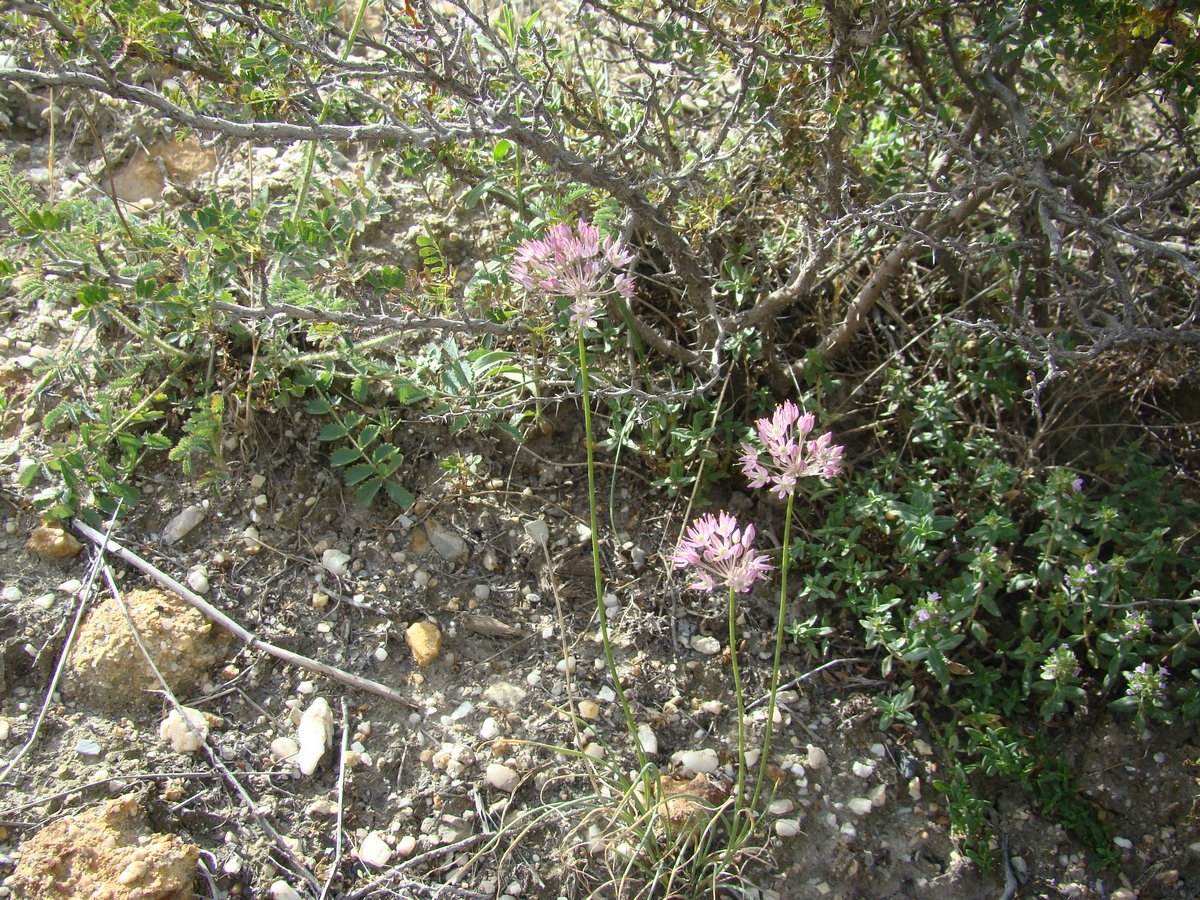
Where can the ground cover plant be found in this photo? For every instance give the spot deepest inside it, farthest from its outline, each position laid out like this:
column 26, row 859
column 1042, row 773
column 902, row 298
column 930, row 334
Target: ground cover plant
column 957, row 242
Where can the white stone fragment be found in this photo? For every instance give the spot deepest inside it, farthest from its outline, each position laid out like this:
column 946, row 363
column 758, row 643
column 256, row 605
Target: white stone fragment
column 5, row 729
column 313, row 735
column 648, row 739
column 781, row 807
column 863, row 769
column 706, row 644
column 490, row 729
column 817, row 759
column 374, row 851
column 860, row 806
column 197, row 579
column 698, row 762
column 179, row 527
column 406, row 845
column 502, row 778
column 538, row 531
column 787, row 828
column 914, row 788
column 281, row 890
column 879, row 796
column 284, row 749
column 175, row 730
column 336, row 562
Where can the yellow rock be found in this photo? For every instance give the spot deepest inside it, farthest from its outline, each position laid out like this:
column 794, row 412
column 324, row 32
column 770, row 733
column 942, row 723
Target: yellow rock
column 51, row 542
column 425, row 641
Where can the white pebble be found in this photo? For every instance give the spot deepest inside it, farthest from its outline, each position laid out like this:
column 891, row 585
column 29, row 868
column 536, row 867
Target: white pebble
column 313, row 735
column 281, row 890
column 706, row 644
column 257, row 480
column 648, row 739
column 787, row 828
column 817, row 759
column 381, row 654
column 877, row 750
column 538, row 531
column 179, row 527
column 862, row 769
column 566, row 665
column 70, row 586
column 175, row 730
column 197, row 579
column 698, row 761
column 781, row 807
column 490, row 729
column 284, row 749
column 406, row 845
column 11, row 593
column 502, row 778
column 914, row 788
column 1123, row 843
column 374, row 851
column 482, row 592
column 860, row 806
column 879, row 796
column 336, row 562
column 45, row 601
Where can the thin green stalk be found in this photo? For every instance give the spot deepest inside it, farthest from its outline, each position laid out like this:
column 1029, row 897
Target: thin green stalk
column 310, row 150
column 598, row 578
column 783, row 598
column 741, row 709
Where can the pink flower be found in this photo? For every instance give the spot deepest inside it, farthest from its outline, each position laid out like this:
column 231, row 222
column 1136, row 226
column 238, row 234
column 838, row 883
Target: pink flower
column 721, row 554
column 576, row 263
column 784, row 437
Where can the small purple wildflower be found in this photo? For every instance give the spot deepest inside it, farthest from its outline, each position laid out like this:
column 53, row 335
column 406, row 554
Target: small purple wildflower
column 575, row 263
column 1137, row 623
column 1061, row 665
column 784, row 437
column 930, row 609
column 1077, row 485
column 721, row 554
column 1077, row 577
column 1147, row 685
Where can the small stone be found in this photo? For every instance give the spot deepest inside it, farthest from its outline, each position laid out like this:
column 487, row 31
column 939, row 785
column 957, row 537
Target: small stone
column 860, row 806
column 914, row 788
column 284, row 749
column 51, row 542
column 589, row 709
column 320, row 600
column 233, row 865
column 374, row 851
column 481, row 592
column 186, row 732
column 781, row 807
column 182, row 525
column 406, row 845
column 86, row 747
column 538, row 531
column 336, row 562
column 879, row 796
column 321, row 807
column 281, row 890
column 862, row 769
column 5, row 729
column 446, row 543
column 594, row 750
column 380, row 654
column 425, row 642
column 11, row 593
column 505, row 694
column 698, row 762
column 197, row 579
column 566, row 666
column 1123, row 843
column 490, row 729
column 133, row 873
column 817, row 759
column 502, row 778
column 787, row 828
column 648, row 739
column 70, row 586
column 313, row 735
column 257, row 480
column 706, row 644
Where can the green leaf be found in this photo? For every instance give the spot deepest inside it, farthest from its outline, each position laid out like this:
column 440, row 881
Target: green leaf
column 318, row 406
column 366, row 493
column 343, row 456
column 400, row 495
column 502, row 149
column 332, row 432
column 358, row 473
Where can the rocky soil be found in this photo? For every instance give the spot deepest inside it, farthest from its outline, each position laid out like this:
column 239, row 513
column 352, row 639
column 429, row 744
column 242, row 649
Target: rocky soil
column 238, row 774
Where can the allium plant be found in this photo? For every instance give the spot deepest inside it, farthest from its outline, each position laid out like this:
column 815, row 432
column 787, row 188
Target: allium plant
column 578, row 264
column 785, row 455
column 721, row 555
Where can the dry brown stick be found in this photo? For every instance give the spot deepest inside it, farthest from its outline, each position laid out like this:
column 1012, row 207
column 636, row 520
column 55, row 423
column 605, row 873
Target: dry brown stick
column 252, row 641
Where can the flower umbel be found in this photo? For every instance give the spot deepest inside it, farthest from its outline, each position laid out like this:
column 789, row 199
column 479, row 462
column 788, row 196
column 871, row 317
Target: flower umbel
column 784, row 437
column 721, row 553
column 576, row 263
column 1061, row 666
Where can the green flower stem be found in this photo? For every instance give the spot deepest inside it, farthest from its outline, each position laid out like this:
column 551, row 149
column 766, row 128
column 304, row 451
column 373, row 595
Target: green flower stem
column 599, row 580
column 783, row 598
column 741, row 708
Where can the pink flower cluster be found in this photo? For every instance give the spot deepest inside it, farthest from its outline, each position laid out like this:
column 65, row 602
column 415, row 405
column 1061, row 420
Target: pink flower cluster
column 721, row 553
column 576, row 263
column 784, row 437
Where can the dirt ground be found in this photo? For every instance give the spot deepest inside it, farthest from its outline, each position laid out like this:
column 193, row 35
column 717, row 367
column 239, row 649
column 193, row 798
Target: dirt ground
column 288, row 554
